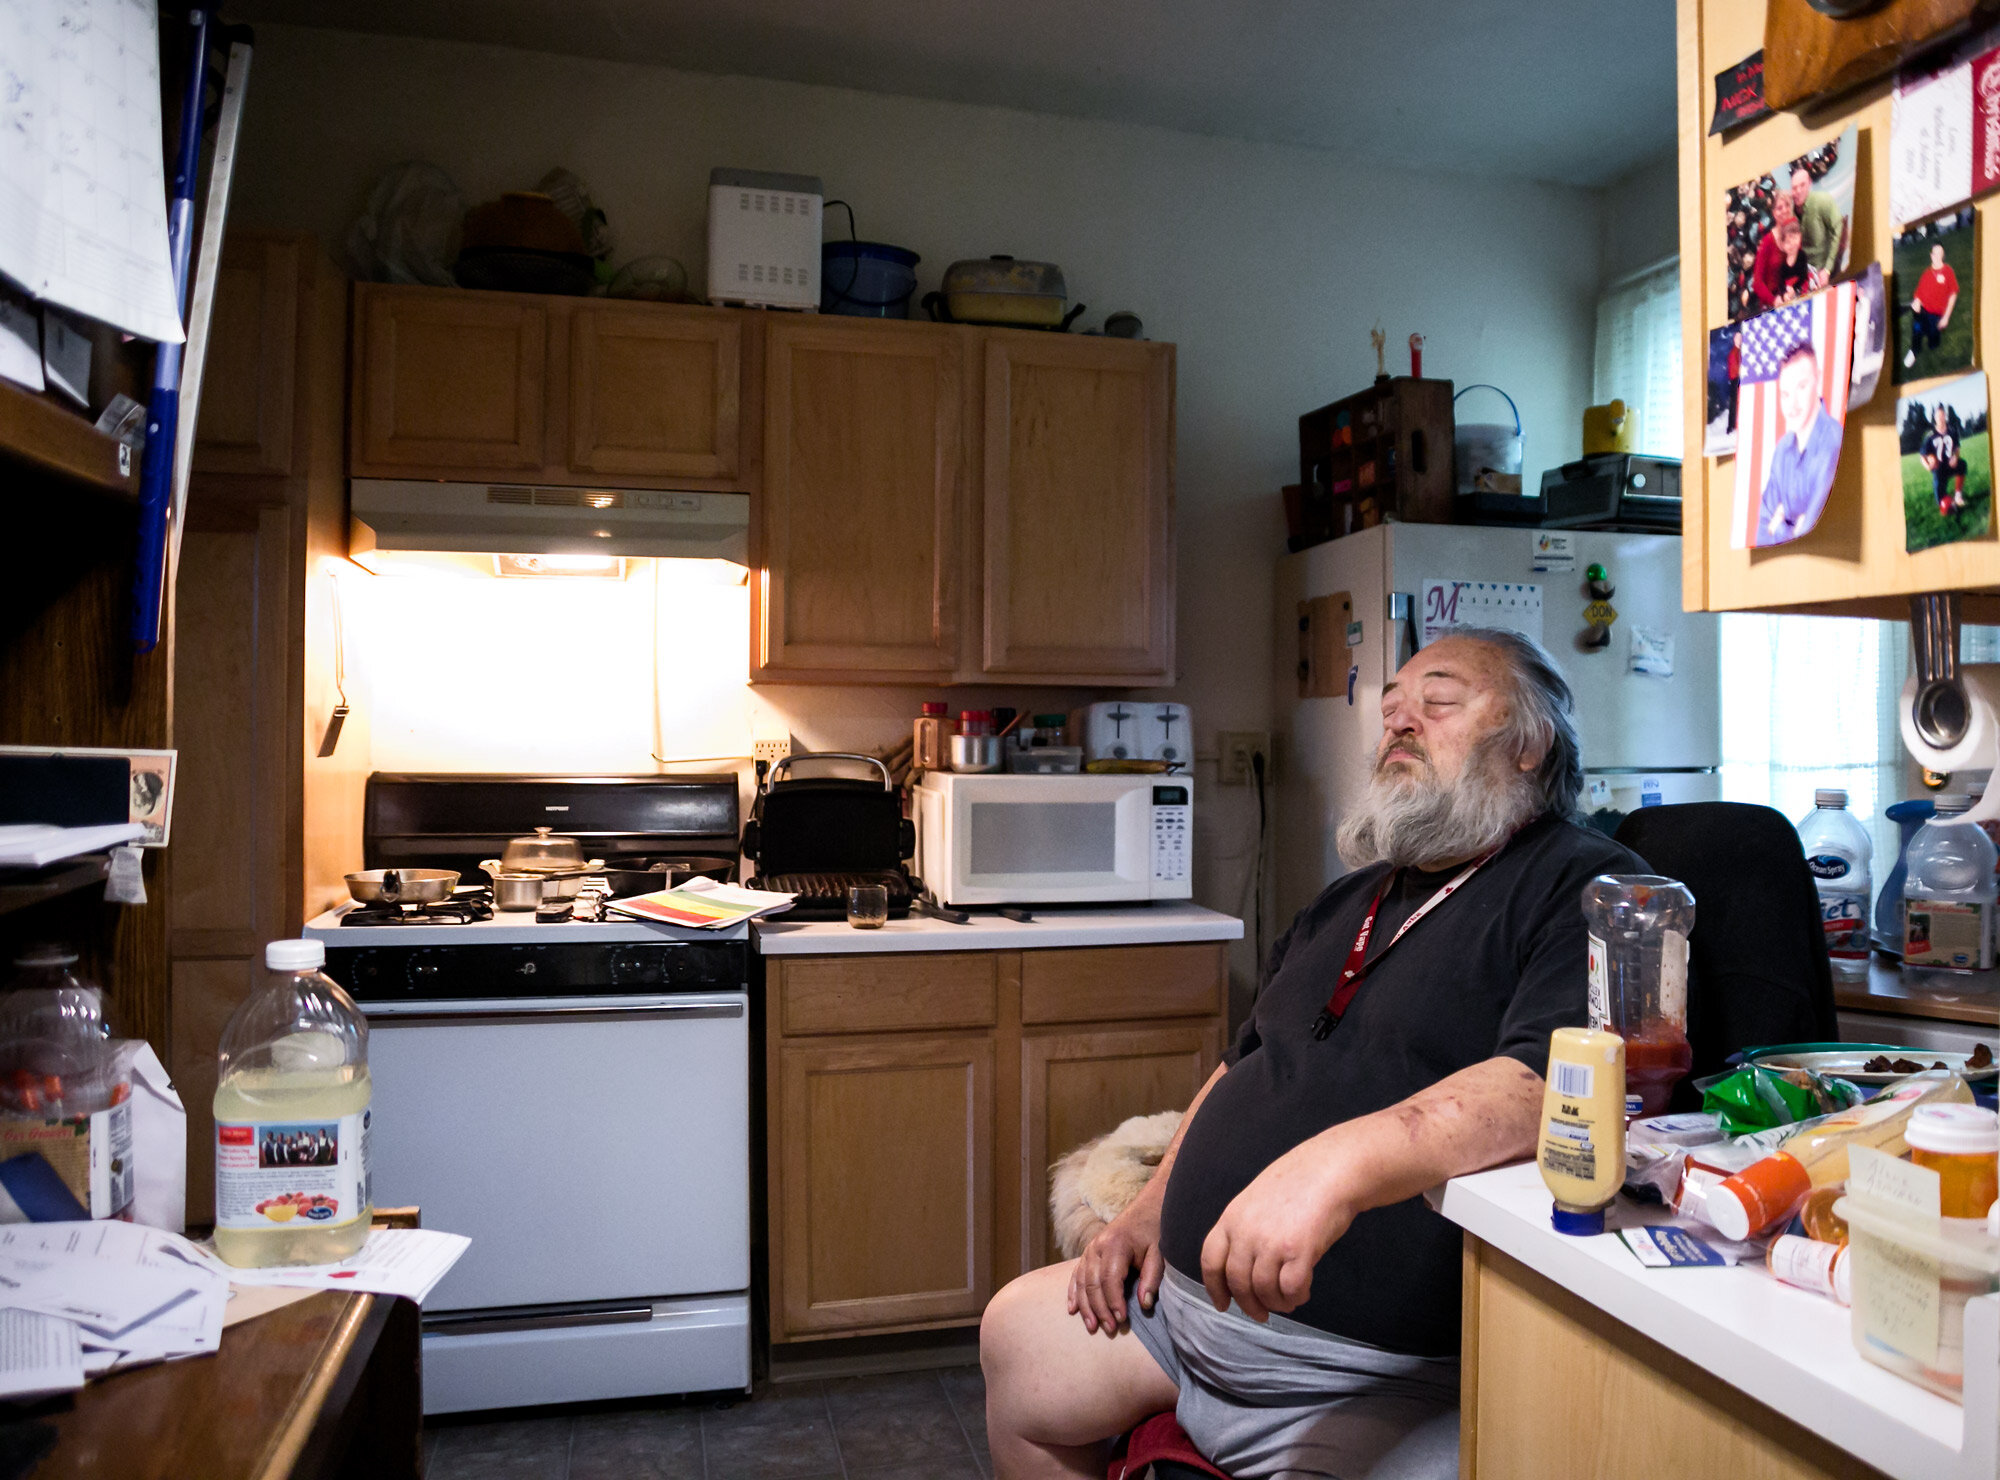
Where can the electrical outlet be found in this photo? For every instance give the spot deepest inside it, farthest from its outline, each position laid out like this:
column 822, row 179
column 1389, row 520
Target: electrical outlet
column 771, row 751
column 1233, row 751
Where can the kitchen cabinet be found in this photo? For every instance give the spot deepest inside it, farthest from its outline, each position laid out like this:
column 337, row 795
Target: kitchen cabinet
column 1854, row 562
column 1077, row 510
column 264, row 825
column 858, row 521
column 654, row 391
column 468, row 386
column 251, row 374
column 953, row 504
column 916, row 1100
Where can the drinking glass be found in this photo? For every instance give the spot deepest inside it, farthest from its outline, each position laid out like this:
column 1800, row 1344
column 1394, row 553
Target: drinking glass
column 868, row 906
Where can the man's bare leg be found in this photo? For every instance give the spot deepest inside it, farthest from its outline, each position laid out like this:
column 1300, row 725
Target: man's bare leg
column 1055, row 1392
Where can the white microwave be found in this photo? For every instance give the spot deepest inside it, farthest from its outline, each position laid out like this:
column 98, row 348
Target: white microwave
column 995, row 838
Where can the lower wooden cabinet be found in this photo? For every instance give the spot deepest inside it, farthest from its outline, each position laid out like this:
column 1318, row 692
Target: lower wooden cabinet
column 912, row 1118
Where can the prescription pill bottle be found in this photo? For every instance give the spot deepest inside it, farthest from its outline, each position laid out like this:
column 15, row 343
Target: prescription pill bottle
column 1961, row 1143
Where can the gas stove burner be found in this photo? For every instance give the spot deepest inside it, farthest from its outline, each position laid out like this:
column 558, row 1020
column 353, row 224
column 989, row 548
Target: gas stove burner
column 464, row 907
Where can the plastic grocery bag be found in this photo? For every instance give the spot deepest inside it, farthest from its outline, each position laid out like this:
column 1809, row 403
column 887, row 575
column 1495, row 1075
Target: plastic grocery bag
column 1756, row 1098
column 409, row 232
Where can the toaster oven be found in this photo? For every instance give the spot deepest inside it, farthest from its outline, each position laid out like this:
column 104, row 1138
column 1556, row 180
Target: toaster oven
column 1013, row 839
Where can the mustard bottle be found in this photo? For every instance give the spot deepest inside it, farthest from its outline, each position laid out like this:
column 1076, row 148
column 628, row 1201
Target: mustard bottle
column 1582, row 1147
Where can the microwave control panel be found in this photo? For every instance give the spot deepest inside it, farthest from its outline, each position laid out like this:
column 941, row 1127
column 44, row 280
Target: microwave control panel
column 1173, row 829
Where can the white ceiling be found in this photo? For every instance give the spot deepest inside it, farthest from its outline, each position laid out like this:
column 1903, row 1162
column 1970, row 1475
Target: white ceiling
column 1575, row 91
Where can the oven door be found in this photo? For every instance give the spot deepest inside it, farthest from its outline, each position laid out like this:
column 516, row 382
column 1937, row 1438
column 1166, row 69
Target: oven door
column 592, row 1148
column 1047, row 839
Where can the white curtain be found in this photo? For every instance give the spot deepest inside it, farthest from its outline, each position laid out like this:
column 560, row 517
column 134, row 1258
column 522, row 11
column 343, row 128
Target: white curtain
column 1809, row 702
column 1639, row 355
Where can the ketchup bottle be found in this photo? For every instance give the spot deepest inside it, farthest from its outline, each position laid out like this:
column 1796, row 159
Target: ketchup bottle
column 1639, row 926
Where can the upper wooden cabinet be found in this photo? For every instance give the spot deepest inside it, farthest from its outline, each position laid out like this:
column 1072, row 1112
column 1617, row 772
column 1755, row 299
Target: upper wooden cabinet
column 1854, row 561
column 859, row 517
column 1077, row 492
column 250, row 382
column 451, row 384
column 654, row 390
column 954, row 504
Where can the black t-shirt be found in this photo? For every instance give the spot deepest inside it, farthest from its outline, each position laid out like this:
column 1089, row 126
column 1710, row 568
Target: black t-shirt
column 1492, row 970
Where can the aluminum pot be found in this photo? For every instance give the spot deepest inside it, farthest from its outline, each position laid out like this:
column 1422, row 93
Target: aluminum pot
column 1001, row 290
column 402, row 885
column 516, row 891
column 550, row 883
column 546, row 853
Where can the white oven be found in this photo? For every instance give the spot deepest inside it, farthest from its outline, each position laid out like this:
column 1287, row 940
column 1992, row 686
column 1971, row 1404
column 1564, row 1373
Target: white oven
column 1002, row 839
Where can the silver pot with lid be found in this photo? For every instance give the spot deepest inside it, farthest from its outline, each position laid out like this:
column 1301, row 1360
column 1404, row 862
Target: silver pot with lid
column 556, row 862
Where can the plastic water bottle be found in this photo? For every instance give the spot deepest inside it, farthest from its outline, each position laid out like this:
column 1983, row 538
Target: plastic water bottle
column 1838, row 853
column 1948, row 893
column 1639, row 925
column 291, row 1118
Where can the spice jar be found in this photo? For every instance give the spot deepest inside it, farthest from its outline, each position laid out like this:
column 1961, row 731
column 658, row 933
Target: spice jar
column 1961, row 1143
column 930, row 744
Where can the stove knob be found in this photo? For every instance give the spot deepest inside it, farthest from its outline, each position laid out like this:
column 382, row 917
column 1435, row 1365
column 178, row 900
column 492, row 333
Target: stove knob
column 640, row 966
column 361, row 971
column 426, row 968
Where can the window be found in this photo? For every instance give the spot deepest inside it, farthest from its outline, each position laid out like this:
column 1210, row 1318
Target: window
column 1639, row 355
column 1809, row 702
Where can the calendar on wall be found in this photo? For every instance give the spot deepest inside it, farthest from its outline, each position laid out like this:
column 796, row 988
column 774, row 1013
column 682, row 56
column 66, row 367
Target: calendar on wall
column 1507, row 604
column 83, row 207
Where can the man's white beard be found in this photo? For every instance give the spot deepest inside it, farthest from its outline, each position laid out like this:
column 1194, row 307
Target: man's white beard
column 1412, row 820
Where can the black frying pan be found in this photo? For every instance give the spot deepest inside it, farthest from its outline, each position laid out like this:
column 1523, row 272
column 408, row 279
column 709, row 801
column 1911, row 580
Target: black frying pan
column 646, row 875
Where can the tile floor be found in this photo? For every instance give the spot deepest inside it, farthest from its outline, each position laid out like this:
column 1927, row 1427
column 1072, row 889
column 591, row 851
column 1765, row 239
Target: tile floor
column 909, row 1426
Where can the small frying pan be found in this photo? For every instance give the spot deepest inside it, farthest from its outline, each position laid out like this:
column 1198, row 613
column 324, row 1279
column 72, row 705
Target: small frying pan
column 402, row 885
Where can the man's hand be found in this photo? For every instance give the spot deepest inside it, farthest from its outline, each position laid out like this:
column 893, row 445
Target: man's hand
column 1264, row 1247
column 1097, row 1282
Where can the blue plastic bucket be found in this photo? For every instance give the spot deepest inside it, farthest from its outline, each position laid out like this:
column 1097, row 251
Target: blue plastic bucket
column 869, row 280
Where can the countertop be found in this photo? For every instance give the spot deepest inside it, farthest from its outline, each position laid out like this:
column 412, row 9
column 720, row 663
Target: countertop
column 1096, row 925
column 1788, row 1349
column 1969, row 999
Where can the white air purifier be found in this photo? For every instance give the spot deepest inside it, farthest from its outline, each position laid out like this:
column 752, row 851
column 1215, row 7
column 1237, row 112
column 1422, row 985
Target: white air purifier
column 763, row 239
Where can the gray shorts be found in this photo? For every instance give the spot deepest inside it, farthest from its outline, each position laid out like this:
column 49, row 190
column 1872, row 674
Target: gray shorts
column 1282, row 1398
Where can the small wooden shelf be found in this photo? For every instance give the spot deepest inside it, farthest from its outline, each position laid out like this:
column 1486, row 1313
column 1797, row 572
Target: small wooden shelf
column 20, row 888
column 38, row 431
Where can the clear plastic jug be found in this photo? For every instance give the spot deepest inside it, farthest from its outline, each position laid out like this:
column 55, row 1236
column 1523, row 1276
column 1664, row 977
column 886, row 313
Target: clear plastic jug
column 1838, row 853
column 1639, row 925
column 291, row 1118
column 1948, row 893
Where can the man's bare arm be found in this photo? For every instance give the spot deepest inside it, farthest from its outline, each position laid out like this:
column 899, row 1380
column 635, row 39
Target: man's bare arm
column 1263, row 1249
column 1097, row 1282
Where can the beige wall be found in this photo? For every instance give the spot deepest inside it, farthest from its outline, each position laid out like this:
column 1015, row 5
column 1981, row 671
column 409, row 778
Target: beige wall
column 1266, row 265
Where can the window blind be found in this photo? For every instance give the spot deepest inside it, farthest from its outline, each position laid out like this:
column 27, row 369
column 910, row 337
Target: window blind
column 1639, row 356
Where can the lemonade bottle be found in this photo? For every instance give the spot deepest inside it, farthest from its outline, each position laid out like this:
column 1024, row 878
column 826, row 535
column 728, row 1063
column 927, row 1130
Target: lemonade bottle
column 291, row 1118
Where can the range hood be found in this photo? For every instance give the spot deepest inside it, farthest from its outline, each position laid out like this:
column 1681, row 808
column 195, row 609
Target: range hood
column 536, row 519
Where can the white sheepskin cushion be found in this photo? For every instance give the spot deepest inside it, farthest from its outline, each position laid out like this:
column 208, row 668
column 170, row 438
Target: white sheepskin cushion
column 1097, row 1181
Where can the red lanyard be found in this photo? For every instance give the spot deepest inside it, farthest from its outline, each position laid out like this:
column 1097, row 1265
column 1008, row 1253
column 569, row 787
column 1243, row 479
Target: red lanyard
column 1358, row 966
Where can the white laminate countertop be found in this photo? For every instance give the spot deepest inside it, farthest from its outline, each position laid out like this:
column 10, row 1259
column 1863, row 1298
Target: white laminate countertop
column 1095, row 925
column 1788, row 1349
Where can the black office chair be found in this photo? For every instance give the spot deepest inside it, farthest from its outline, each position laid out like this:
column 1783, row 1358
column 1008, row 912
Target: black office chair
column 1757, row 966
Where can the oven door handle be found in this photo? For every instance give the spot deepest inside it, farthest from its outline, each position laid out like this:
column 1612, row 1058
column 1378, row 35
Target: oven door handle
column 487, row 1011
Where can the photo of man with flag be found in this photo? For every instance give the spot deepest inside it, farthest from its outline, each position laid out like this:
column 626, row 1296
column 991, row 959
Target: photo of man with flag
column 1791, row 412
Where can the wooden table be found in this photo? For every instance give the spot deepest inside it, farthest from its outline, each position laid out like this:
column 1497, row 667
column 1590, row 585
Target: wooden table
column 327, row 1387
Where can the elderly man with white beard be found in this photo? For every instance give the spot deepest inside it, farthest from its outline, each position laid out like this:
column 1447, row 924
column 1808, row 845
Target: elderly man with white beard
column 1281, row 1283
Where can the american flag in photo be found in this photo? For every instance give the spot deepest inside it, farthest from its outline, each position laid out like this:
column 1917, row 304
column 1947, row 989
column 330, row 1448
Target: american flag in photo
column 1827, row 321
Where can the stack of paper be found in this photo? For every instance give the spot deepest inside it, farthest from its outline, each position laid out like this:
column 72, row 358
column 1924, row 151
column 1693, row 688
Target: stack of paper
column 703, row 904
column 80, row 1299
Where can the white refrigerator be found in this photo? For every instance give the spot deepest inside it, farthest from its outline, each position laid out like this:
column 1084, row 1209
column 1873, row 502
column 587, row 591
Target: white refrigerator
column 1350, row 611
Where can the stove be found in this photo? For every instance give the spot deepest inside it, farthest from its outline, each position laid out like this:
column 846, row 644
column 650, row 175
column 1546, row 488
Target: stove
column 465, row 906
column 573, row 1095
